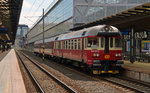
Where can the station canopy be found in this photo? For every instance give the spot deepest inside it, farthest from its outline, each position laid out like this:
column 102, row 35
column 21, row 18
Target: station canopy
column 137, row 18
column 9, row 18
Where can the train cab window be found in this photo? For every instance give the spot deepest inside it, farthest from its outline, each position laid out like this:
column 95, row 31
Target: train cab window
column 118, row 42
column 111, row 42
column 93, row 42
column 102, row 42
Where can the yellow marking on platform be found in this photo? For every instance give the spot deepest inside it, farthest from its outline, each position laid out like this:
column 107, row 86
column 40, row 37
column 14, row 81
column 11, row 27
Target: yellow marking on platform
column 7, row 84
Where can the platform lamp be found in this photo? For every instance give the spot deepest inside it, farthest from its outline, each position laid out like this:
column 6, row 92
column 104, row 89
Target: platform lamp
column 0, row 23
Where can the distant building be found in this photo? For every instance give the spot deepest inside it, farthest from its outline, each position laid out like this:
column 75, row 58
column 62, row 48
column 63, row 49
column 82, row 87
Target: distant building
column 21, row 36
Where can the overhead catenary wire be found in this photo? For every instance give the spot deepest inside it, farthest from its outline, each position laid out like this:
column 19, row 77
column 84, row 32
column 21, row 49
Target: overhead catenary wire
column 39, row 6
column 31, row 7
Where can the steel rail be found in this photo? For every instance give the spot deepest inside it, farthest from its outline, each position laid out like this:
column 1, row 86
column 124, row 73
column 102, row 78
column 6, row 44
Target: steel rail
column 122, row 85
column 31, row 75
column 71, row 90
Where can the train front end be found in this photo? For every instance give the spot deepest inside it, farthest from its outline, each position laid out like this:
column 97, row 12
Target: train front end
column 104, row 51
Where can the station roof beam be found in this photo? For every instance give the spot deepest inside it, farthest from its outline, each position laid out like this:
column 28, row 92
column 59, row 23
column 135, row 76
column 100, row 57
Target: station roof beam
column 9, row 18
column 129, row 18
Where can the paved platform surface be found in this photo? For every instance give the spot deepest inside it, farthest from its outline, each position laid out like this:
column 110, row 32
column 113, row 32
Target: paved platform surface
column 3, row 54
column 137, row 66
column 11, row 80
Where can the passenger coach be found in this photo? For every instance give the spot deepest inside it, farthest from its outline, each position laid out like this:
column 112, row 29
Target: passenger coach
column 96, row 48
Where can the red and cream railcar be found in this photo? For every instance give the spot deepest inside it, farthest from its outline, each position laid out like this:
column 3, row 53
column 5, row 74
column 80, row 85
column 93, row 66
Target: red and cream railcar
column 98, row 48
column 48, row 47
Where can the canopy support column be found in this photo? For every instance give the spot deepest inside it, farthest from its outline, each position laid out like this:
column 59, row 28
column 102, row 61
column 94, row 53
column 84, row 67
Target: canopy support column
column 132, row 46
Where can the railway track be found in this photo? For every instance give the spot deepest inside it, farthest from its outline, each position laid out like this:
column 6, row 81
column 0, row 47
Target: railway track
column 130, row 84
column 36, row 81
column 127, row 83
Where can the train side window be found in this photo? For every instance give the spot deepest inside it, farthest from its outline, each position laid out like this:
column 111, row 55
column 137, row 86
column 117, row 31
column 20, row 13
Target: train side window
column 63, row 44
column 102, row 42
column 79, row 44
column 111, row 42
column 75, row 44
column 49, row 45
column 57, row 45
column 54, row 45
column 85, row 39
column 68, row 44
column 72, row 44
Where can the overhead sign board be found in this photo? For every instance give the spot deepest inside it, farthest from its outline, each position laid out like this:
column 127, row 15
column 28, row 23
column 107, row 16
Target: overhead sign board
column 3, row 30
column 125, row 32
column 146, row 46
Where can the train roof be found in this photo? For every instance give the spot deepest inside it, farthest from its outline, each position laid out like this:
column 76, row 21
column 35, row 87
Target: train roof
column 92, row 31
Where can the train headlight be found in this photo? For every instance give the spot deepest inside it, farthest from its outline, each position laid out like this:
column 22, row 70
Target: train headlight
column 95, row 55
column 118, row 55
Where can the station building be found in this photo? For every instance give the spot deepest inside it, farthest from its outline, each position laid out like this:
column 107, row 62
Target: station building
column 63, row 15
column 21, row 36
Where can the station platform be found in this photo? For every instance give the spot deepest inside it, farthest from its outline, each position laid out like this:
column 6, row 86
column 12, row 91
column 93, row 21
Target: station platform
column 11, row 80
column 137, row 70
column 137, row 66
